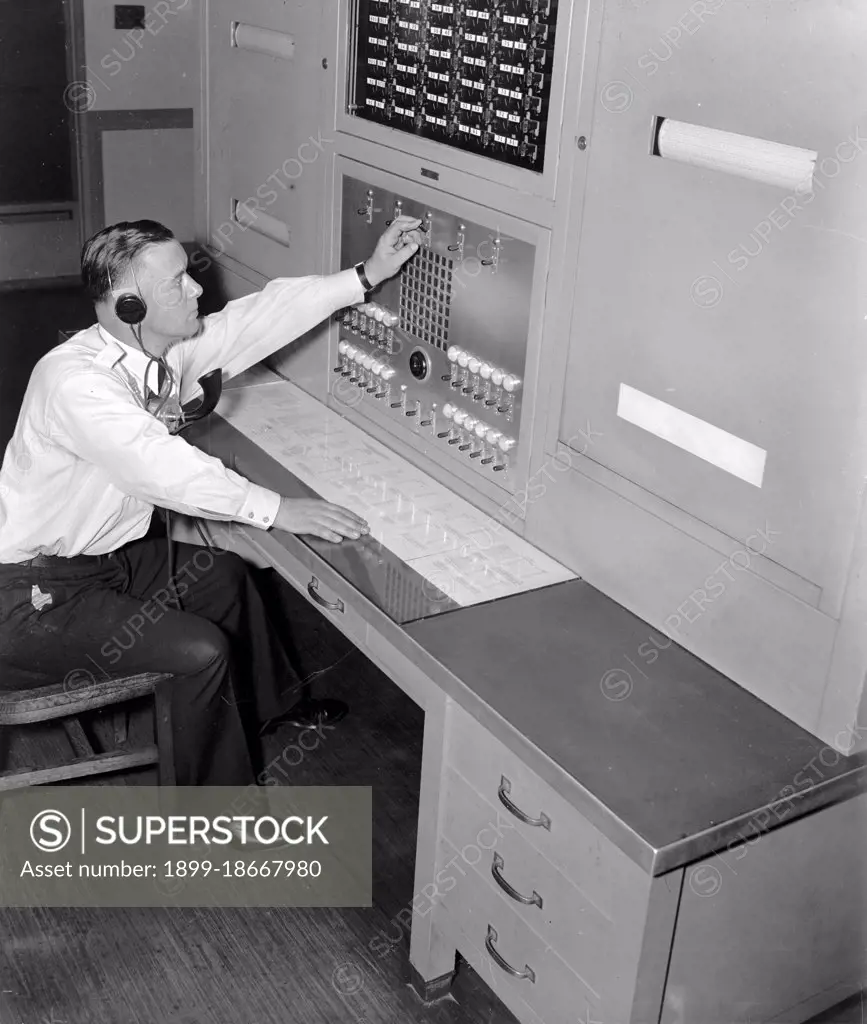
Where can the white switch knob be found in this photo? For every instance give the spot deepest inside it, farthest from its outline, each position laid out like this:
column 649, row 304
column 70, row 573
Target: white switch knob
column 378, row 314
column 511, row 383
column 342, row 347
column 453, row 353
column 388, row 372
column 460, row 416
column 377, row 366
column 449, row 410
column 463, row 359
column 469, row 423
column 492, row 435
column 481, row 428
column 367, row 362
column 474, row 365
column 485, row 371
column 497, row 376
column 390, row 319
column 506, row 443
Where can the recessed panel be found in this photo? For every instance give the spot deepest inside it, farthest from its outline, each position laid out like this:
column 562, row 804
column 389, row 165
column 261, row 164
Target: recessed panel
column 472, row 74
column 441, row 348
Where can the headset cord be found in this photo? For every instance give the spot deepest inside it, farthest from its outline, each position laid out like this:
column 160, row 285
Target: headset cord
column 167, row 515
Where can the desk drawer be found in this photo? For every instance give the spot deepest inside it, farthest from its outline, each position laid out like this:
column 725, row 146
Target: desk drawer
column 613, row 883
column 493, row 939
column 322, row 586
column 580, row 933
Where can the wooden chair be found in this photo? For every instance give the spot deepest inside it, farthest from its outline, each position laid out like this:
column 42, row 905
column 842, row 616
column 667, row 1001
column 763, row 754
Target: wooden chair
column 44, row 703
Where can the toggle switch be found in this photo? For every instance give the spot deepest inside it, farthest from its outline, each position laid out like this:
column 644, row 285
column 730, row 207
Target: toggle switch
column 367, row 209
column 511, row 383
column 448, row 412
column 458, row 247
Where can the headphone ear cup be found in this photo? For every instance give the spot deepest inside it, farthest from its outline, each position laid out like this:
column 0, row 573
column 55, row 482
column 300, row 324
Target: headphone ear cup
column 130, row 309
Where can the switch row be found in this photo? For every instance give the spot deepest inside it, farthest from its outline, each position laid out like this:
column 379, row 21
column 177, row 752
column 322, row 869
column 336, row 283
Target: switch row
column 366, row 360
column 462, row 419
column 499, row 378
column 378, row 313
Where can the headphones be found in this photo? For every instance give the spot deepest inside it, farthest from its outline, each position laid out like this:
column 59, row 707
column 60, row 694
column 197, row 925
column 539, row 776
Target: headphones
column 129, row 308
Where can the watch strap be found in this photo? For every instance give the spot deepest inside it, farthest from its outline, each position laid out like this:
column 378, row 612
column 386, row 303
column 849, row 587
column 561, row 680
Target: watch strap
column 362, row 277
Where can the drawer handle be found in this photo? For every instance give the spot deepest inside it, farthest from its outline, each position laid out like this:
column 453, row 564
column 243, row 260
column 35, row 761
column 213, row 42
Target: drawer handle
column 496, row 869
column 505, row 788
column 490, row 939
column 313, row 591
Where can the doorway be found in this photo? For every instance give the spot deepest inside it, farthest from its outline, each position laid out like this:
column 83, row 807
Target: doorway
column 41, row 52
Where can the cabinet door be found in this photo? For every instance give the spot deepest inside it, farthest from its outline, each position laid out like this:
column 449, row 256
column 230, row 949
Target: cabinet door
column 774, row 929
column 719, row 310
column 266, row 145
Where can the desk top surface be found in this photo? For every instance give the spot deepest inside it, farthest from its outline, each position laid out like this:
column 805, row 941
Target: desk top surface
column 683, row 759
column 672, row 760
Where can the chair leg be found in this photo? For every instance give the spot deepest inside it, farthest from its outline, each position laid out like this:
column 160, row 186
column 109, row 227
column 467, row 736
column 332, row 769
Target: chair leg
column 164, row 738
column 120, row 723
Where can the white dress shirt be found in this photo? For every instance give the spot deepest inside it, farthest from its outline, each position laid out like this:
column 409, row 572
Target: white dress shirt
column 87, row 464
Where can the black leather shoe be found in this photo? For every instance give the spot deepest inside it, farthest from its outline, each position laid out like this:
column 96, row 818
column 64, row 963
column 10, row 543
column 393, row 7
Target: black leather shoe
column 308, row 714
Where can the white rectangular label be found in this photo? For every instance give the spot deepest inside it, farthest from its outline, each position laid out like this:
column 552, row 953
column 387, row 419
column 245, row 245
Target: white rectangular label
column 733, row 454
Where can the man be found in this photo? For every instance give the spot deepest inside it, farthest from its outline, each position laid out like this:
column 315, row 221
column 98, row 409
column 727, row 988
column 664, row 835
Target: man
column 82, row 586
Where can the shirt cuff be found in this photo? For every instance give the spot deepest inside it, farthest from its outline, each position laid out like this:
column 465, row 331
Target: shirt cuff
column 348, row 285
column 260, row 507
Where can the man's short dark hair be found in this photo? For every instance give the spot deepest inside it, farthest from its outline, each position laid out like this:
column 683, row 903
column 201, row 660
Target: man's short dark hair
column 106, row 258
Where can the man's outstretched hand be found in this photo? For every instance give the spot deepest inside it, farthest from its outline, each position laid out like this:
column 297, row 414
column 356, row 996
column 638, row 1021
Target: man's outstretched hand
column 319, row 518
column 394, row 248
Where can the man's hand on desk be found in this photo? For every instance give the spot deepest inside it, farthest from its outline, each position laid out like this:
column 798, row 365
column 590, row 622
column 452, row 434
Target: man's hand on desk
column 319, row 518
column 393, row 249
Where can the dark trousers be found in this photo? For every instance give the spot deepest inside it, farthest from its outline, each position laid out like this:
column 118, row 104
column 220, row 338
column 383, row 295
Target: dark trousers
column 97, row 617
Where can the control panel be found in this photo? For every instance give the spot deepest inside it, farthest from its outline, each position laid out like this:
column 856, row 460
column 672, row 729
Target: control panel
column 473, row 74
column 440, row 349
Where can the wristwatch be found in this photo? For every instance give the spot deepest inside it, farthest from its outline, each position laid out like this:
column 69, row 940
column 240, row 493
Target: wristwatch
column 362, row 277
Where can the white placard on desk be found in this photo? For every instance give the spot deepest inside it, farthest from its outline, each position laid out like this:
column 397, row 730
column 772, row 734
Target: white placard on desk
column 456, row 547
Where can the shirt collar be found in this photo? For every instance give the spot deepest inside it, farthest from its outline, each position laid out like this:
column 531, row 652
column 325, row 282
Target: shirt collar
column 135, row 362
